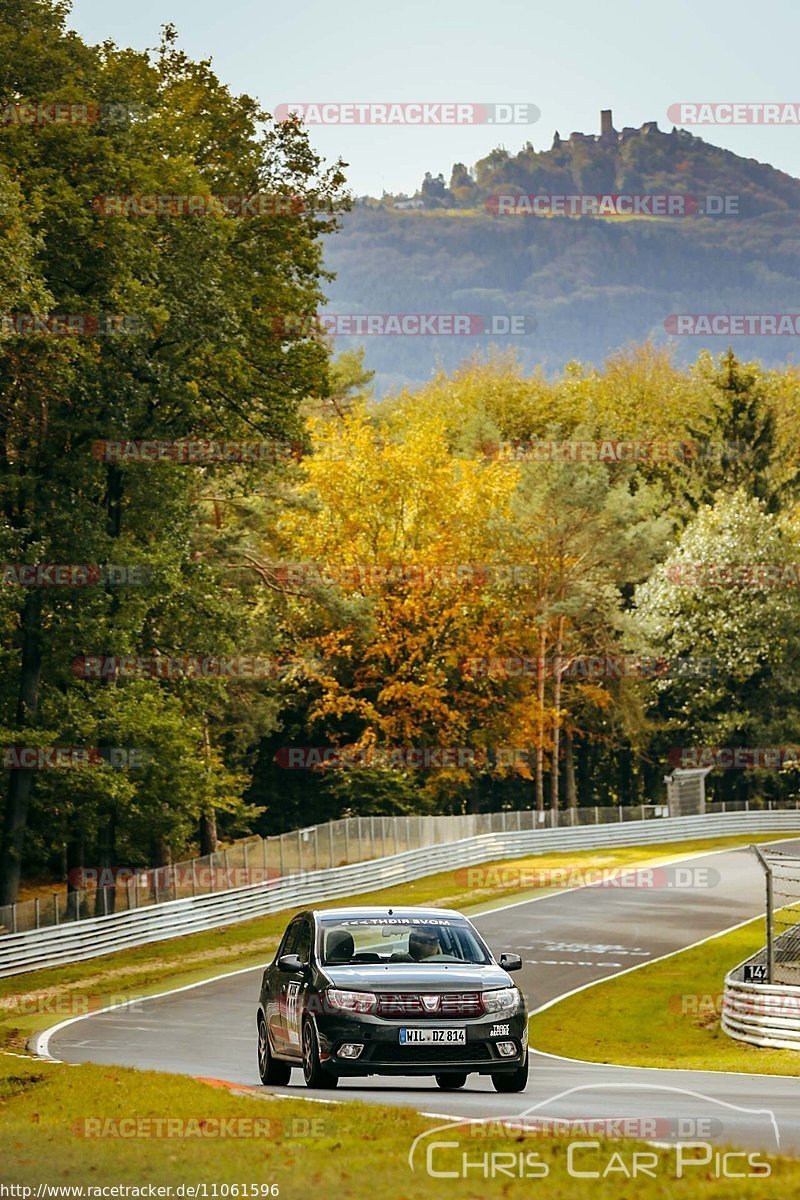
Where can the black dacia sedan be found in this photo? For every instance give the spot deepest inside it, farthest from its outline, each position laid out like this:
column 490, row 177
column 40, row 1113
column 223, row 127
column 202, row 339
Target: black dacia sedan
column 382, row 991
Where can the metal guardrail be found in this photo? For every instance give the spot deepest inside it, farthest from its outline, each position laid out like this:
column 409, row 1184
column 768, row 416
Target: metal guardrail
column 260, row 860
column 91, row 938
column 761, row 997
column 764, row 1014
column 333, row 844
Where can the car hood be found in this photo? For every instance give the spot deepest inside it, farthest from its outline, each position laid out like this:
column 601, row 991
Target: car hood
column 407, row 977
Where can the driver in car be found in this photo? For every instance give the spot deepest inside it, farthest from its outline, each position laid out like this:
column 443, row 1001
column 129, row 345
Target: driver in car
column 423, row 943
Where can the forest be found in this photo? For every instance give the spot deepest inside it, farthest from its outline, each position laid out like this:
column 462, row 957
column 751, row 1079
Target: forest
column 240, row 592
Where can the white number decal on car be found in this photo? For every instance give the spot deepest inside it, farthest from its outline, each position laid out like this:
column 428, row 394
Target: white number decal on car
column 293, row 1013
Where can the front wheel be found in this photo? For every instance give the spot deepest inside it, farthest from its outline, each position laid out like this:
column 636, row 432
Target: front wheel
column 313, row 1071
column 450, row 1081
column 513, row 1081
column 271, row 1070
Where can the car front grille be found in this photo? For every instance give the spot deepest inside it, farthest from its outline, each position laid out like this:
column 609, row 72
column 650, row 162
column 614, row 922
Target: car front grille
column 412, row 1055
column 413, row 1004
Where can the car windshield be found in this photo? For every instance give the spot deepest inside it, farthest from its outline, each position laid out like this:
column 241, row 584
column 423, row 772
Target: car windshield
column 400, row 940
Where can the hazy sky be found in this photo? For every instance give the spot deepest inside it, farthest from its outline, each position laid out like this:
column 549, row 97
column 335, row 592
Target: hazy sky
column 570, row 59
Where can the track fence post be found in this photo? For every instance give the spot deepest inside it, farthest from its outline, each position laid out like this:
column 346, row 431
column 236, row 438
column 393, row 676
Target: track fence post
column 770, row 914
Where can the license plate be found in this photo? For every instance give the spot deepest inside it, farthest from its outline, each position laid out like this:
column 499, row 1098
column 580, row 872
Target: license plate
column 441, row 1037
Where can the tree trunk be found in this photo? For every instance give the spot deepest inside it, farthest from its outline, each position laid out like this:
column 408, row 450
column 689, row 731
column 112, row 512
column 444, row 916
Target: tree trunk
column 105, row 900
column 540, row 685
column 208, row 832
column 569, row 770
column 556, row 762
column 585, row 791
column 624, row 776
column 208, row 819
column 161, row 873
column 20, row 782
column 76, row 861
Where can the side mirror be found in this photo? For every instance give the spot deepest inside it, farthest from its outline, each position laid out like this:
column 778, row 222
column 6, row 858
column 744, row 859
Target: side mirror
column 510, row 962
column 290, row 963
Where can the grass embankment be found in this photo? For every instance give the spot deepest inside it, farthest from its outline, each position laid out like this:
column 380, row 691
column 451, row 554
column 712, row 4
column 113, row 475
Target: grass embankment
column 306, row 1149
column 663, row 1015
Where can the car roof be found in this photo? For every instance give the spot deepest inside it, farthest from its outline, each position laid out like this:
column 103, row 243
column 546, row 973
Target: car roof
column 389, row 911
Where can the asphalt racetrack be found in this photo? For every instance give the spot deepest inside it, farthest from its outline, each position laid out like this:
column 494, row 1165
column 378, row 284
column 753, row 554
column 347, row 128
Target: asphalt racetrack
column 567, row 940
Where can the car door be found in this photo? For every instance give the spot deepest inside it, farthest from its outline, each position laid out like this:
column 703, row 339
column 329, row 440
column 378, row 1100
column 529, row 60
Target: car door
column 276, row 1014
column 295, row 988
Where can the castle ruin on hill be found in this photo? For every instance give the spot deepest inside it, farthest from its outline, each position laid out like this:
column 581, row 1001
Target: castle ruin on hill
column 607, row 132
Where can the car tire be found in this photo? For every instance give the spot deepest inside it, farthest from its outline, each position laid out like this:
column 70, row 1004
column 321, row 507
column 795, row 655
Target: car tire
column 315, row 1075
column 449, row 1081
column 271, row 1070
column 512, row 1081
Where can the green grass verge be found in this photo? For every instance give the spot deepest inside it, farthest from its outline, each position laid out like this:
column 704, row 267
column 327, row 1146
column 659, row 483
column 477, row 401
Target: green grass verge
column 663, row 1015
column 325, row 1150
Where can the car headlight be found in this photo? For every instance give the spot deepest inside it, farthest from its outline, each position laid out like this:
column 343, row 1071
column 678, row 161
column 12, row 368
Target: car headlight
column 361, row 1002
column 501, row 1000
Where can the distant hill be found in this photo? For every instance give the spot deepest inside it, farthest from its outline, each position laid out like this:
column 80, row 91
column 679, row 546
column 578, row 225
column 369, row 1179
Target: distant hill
column 592, row 283
column 642, row 160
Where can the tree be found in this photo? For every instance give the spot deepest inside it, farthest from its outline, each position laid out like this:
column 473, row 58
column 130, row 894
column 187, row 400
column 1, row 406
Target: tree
column 585, row 534
column 736, row 437
column 731, row 636
column 219, row 348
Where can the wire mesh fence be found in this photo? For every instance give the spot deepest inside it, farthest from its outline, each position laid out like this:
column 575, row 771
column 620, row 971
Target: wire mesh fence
column 255, row 860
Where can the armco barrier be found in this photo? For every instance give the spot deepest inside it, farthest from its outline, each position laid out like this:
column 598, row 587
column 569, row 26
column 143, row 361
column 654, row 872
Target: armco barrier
column 763, row 1014
column 254, row 859
column 90, row 938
